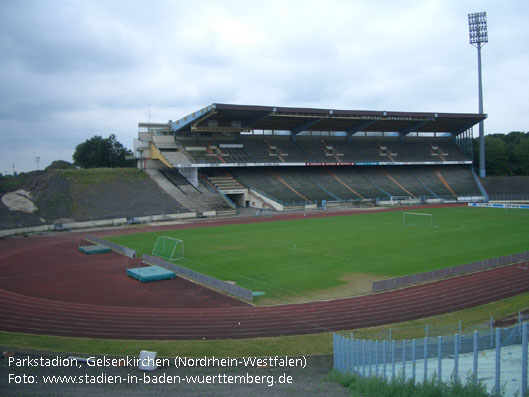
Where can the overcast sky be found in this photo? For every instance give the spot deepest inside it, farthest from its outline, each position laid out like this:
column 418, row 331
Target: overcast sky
column 70, row 70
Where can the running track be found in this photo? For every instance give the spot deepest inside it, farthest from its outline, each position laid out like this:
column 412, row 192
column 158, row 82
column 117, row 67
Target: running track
column 109, row 307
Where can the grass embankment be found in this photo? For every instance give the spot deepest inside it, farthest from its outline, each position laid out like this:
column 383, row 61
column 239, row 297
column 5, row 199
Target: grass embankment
column 316, row 344
column 80, row 177
column 89, row 188
column 11, row 183
column 61, row 193
column 322, row 258
column 85, row 177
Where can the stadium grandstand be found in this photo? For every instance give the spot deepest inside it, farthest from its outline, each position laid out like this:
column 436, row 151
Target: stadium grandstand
column 226, row 156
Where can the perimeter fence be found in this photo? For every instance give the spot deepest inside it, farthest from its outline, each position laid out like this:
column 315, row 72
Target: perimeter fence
column 497, row 358
column 201, row 278
column 115, row 247
column 509, row 197
column 399, row 282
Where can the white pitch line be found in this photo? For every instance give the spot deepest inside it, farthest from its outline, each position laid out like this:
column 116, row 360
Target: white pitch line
column 250, row 278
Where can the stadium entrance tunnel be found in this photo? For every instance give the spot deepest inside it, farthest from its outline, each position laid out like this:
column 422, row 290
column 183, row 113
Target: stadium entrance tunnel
column 239, row 199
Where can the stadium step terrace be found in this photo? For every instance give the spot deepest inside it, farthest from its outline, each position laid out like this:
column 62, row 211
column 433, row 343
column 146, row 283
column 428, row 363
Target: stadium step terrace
column 284, row 157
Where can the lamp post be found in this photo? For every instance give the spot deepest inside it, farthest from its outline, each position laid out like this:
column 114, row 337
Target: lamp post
column 477, row 27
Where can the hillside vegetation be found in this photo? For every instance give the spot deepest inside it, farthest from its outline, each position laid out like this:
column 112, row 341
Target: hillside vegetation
column 66, row 195
column 505, row 154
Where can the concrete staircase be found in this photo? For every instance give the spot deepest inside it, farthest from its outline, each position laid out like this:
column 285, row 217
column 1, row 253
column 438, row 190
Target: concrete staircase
column 198, row 200
column 226, row 184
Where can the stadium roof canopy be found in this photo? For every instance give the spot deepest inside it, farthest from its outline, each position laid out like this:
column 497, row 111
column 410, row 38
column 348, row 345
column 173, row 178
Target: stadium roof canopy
column 244, row 118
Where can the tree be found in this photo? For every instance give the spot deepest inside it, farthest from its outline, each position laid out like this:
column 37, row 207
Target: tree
column 496, row 156
column 505, row 154
column 520, row 156
column 98, row 152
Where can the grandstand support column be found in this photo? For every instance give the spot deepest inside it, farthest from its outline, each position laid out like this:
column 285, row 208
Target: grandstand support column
column 468, row 138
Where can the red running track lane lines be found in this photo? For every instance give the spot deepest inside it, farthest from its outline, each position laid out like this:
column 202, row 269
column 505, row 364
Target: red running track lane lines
column 57, row 308
column 36, row 316
column 52, row 268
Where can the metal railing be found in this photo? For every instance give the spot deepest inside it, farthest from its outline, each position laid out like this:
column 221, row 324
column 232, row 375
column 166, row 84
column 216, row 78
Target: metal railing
column 498, row 359
column 411, row 279
column 200, row 278
column 115, row 247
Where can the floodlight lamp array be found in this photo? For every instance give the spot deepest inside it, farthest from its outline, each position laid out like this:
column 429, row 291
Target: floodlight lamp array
column 477, row 26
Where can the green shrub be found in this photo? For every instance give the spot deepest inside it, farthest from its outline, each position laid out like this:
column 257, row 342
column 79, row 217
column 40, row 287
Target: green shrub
column 400, row 387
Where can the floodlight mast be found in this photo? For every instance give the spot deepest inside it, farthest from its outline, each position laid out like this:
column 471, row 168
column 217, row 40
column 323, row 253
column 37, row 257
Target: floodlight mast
column 477, row 26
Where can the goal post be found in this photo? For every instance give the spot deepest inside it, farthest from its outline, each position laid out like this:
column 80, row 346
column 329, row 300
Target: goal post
column 417, row 219
column 401, row 200
column 169, row 248
column 516, row 210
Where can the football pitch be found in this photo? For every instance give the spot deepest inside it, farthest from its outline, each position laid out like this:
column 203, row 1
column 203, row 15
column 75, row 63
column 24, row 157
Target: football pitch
column 317, row 258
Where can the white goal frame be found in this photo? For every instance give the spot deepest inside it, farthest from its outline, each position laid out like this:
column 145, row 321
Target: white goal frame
column 432, row 222
column 169, row 248
column 401, row 200
column 516, row 210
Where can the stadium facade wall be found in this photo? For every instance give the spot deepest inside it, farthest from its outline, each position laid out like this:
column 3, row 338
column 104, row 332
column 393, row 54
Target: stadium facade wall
column 191, row 174
column 320, row 164
column 500, row 205
column 258, row 199
column 96, row 223
column 200, row 278
column 419, row 278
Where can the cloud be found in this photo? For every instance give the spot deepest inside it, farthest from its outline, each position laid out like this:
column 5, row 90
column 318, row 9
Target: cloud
column 65, row 39
column 73, row 69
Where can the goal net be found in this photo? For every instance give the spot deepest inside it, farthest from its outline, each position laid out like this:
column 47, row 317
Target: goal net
column 517, row 210
column 401, row 200
column 418, row 219
column 169, row 248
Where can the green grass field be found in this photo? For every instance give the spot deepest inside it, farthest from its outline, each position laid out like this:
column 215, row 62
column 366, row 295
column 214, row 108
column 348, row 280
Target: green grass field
column 313, row 258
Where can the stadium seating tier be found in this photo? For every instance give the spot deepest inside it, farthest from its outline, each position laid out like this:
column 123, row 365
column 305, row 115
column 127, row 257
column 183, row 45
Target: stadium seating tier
column 312, row 184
